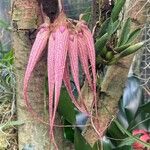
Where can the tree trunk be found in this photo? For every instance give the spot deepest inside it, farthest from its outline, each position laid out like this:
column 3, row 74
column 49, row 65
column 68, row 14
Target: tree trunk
column 113, row 84
column 33, row 134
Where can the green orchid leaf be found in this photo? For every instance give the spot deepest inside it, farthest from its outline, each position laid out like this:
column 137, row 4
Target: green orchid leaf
column 113, row 26
column 80, row 142
column 133, row 35
column 104, row 28
column 126, row 142
column 130, row 50
column 106, row 144
column 66, row 107
column 145, row 107
column 97, row 146
column 121, row 48
column 100, row 43
column 68, row 131
column 124, row 148
column 125, row 33
column 116, row 25
column 117, row 9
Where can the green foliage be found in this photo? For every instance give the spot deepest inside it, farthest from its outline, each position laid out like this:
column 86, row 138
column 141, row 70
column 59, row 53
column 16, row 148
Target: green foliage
column 108, row 50
column 131, row 49
column 65, row 106
column 133, row 35
column 117, row 9
column 113, row 27
column 87, row 15
column 145, row 108
column 125, row 32
column 106, row 144
column 4, row 25
column 132, row 115
column 6, row 69
column 10, row 124
column 96, row 146
column 80, row 142
column 114, row 47
column 68, row 131
column 127, row 141
column 7, row 88
column 100, row 44
column 7, row 59
column 104, row 27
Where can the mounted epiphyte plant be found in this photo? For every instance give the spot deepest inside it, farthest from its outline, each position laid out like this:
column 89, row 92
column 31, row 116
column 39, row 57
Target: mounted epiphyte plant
column 69, row 42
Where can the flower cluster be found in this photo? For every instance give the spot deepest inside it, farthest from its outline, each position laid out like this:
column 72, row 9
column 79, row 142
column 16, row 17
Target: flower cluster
column 68, row 44
column 144, row 136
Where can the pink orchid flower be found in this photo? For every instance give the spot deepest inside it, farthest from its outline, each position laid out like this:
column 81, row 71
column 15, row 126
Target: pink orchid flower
column 144, row 136
column 67, row 45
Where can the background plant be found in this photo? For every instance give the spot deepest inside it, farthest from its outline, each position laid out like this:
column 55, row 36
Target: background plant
column 7, row 94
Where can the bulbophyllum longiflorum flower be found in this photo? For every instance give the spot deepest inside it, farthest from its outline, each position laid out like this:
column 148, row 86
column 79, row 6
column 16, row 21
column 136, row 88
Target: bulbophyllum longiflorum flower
column 68, row 44
column 144, row 136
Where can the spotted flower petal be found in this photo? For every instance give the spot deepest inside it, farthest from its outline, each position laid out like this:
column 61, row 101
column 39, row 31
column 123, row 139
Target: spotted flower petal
column 84, row 59
column 91, row 53
column 51, row 75
column 36, row 51
column 73, row 55
column 61, row 48
column 144, row 136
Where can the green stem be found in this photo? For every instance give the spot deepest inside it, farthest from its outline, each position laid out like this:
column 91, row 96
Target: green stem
column 131, row 136
column 9, row 124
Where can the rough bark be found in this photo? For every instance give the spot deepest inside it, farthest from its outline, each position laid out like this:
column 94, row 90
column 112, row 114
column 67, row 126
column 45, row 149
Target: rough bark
column 111, row 91
column 33, row 134
column 112, row 86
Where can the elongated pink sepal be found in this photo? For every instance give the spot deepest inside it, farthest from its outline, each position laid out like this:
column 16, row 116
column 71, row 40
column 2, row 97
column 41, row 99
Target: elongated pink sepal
column 36, row 51
column 67, row 83
column 73, row 56
column 91, row 50
column 61, row 48
column 91, row 54
column 51, row 75
column 83, row 55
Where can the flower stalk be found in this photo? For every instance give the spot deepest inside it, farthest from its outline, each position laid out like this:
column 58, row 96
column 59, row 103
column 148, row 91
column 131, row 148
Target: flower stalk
column 60, row 5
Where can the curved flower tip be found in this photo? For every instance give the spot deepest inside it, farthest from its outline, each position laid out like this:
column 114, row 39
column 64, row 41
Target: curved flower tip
column 145, row 137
